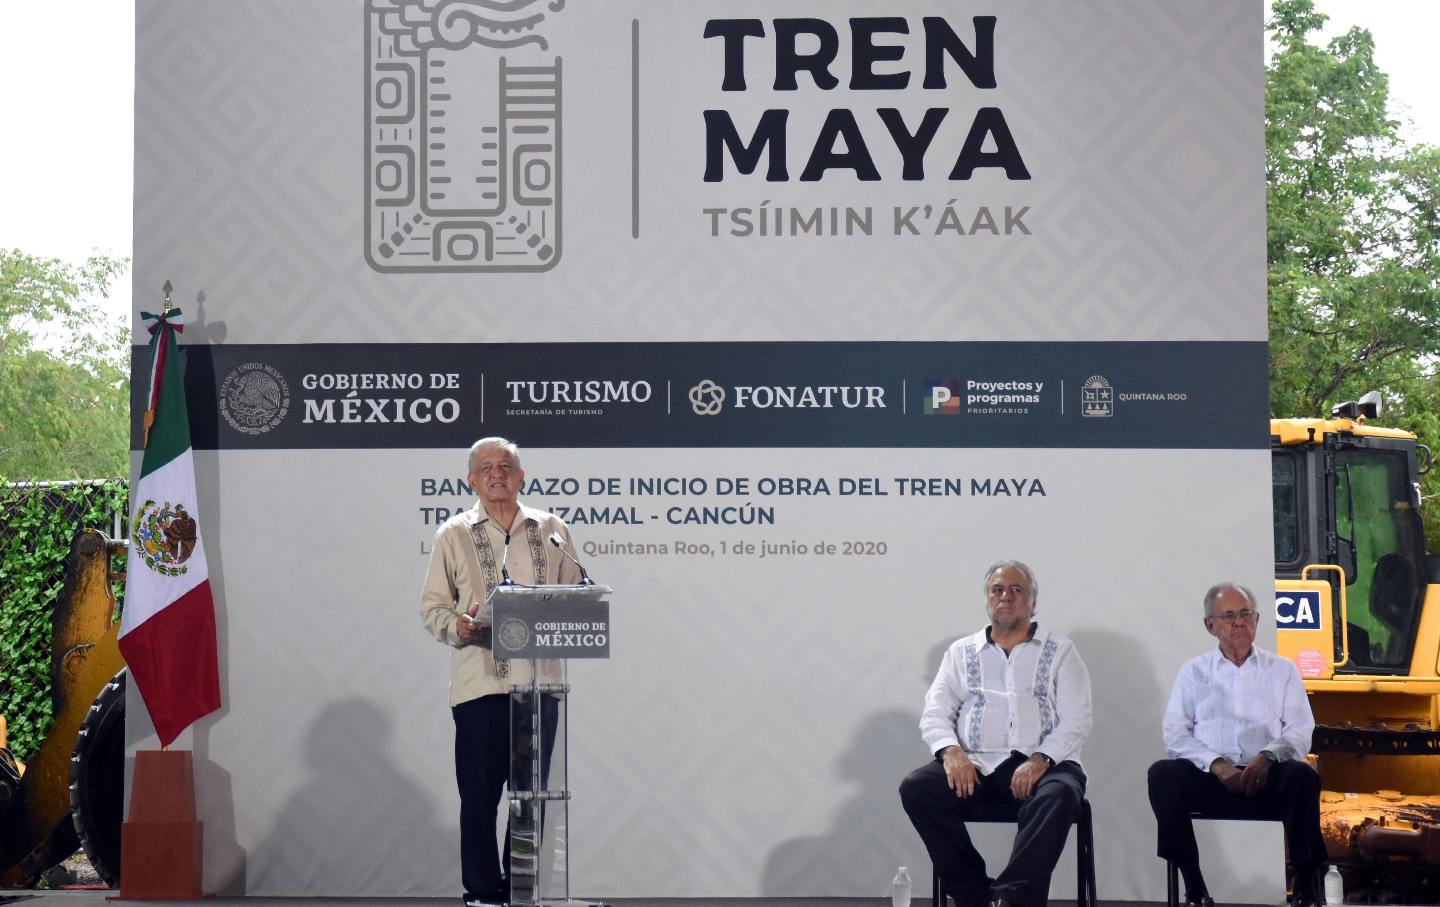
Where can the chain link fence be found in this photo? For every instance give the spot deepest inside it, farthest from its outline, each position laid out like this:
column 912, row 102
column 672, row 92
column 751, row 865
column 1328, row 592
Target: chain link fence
column 68, row 503
column 37, row 522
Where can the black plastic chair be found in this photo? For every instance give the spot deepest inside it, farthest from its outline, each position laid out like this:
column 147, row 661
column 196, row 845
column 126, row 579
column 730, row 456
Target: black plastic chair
column 1084, row 850
column 1172, row 872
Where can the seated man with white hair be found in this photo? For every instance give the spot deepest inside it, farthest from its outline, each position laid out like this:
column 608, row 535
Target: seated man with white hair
column 1237, row 731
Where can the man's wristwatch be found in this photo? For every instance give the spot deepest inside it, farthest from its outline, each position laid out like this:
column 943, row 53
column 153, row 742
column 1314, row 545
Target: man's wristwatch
column 1049, row 763
column 1269, row 755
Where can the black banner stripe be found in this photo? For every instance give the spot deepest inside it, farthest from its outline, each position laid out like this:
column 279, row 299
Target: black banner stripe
column 729, row 394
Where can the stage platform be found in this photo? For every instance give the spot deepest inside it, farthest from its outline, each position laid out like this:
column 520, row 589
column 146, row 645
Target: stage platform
column 73, row 898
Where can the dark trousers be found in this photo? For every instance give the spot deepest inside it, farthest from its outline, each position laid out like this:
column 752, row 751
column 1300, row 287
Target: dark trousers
column 1042, row 823
column 482, row 768
column 1291, row 794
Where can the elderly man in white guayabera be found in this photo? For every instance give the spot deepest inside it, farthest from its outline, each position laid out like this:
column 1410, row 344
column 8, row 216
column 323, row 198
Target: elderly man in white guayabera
column 1237, row 731
column 499, row 539
column 1005, row 717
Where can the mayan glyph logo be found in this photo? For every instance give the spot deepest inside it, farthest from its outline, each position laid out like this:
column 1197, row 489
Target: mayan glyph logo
column 462, row 150
column 165, row 536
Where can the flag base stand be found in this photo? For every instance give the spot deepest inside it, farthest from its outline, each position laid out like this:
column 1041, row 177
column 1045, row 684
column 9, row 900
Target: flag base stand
column 162, row 843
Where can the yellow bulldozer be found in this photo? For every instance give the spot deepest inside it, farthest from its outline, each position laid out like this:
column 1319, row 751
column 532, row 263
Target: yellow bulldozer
column 1357, row 608
column 71, row 792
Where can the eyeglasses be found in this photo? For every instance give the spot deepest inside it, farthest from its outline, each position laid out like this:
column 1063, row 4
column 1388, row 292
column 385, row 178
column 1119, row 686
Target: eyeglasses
column 1014, row 589
column 1244, row 614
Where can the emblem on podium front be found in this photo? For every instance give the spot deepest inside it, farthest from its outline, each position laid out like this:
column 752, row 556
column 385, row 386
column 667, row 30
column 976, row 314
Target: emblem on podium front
column 514, row 635
column 462, row 136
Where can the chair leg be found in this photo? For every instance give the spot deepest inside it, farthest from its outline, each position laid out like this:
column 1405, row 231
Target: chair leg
column 937, row 889
column 1085, row 893
column 1172, row 884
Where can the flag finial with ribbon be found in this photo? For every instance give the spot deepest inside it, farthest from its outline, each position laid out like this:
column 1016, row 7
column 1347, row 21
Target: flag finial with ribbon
column 169, row 319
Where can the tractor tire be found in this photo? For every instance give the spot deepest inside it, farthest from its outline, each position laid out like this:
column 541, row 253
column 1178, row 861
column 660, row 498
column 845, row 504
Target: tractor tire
column 97, row 780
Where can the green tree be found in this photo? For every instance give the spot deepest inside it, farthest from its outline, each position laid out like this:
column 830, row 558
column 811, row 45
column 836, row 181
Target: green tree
column 1354, row 217
column 64, row 370
column 1354, row 287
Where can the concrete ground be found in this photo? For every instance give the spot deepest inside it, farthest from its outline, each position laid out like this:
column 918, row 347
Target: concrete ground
column 79, row 898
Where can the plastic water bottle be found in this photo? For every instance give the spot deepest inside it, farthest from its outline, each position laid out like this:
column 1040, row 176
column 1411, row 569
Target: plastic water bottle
column 900, row 889
column 1334, row 886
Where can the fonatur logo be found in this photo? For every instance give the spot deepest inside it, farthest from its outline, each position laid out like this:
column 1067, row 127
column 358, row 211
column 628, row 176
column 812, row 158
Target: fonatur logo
column 707, row 398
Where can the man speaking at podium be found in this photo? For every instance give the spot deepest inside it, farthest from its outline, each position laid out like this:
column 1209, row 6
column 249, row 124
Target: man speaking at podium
column 499, row 540
column 1005, row 717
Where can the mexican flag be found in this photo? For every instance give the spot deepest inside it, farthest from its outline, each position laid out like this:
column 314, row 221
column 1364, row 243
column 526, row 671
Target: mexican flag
column 167, row 629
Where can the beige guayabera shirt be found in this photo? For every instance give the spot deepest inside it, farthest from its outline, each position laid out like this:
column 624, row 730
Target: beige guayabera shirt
column 465, row 566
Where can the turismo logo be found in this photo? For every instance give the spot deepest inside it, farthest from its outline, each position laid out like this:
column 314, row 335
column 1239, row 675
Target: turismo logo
column 942, row 398
column 573, row 397
column 579, row 391
column 1097, row 398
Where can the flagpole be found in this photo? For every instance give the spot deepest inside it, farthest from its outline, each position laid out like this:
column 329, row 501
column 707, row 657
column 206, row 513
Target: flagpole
column 150, row 413
column 160, row 339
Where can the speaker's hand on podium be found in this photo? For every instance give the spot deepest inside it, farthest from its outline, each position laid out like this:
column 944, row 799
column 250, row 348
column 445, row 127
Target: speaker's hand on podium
column 470, row 632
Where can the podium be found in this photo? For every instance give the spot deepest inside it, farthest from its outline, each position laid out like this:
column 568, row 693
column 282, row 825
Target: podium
column 541, row 627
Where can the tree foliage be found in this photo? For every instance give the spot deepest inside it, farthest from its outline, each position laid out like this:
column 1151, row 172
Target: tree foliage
column 64, row 374
column 1354, row 266
column 1354, row 218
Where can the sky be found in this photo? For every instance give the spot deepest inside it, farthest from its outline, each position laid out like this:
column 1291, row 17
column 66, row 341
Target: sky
column 68, row 153
column 69, row 159
column 1404, row 33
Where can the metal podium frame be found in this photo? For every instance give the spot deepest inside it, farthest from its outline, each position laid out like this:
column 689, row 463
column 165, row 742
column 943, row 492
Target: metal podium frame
column 522, row 620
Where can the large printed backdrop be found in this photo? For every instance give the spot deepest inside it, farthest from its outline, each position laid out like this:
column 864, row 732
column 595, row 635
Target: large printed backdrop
column 802, row 315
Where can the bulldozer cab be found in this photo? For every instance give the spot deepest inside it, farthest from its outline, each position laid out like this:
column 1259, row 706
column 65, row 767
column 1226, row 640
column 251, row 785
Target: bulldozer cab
column 1349, row 547
column 1357, row 609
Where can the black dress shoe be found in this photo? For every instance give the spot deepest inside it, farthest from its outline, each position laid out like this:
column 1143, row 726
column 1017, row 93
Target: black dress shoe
column 1199, row 900
column 1305, row 899
column 1003, row 902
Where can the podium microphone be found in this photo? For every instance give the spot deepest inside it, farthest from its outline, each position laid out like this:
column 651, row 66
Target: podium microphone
column 504, row 559
column 585, row 579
